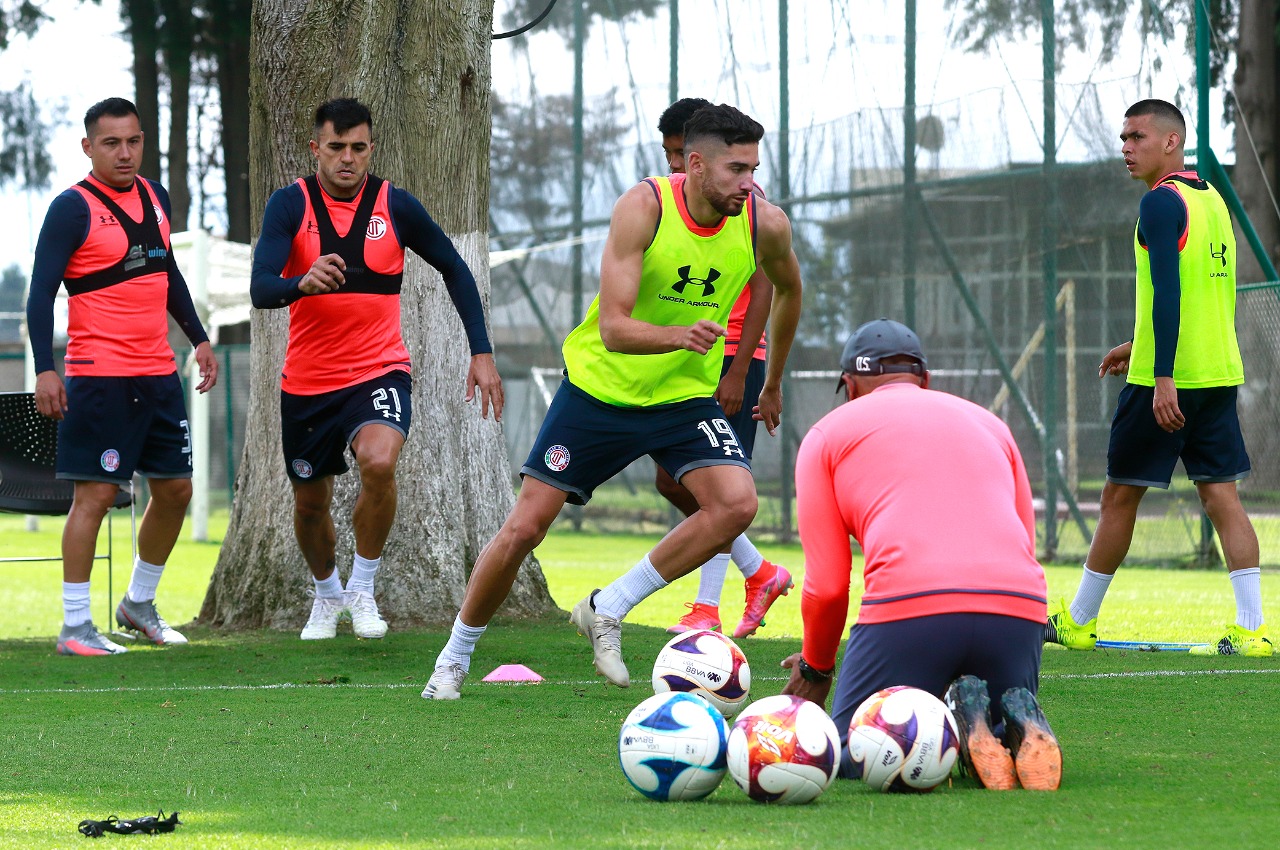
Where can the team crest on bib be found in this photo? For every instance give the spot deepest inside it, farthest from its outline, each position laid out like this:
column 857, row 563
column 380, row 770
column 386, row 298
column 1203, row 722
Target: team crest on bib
column 377, row 228
column 556, row 458
column 110, row 460
column 302, row 469
column 159, row 213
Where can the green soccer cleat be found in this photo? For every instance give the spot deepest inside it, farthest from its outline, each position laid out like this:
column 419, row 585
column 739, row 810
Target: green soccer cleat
column 1239, row 641
column 1063, row 630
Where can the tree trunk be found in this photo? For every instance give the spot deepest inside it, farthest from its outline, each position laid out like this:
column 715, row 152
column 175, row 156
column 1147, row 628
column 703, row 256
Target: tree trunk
column 422, row 66
column 142, row 18
column 177, row 42
column 1257, row 84
column 230, row 24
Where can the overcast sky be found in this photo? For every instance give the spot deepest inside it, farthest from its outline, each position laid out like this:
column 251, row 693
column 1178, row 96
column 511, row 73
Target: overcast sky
column 729, row 51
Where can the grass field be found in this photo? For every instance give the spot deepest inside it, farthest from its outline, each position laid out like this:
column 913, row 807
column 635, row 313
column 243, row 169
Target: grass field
column 262, row 741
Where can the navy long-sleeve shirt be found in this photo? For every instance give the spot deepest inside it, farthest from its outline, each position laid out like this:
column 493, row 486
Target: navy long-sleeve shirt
column 1162, row 218
column 414, row 228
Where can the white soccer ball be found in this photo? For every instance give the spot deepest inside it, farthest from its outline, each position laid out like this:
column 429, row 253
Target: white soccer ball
column 708, row 664
column 903, row 739
column 784, row 749
column 672, row 747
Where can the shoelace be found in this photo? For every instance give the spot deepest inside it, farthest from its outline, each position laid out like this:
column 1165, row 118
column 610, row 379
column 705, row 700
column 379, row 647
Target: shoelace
column 608, row 633
column 327, row 606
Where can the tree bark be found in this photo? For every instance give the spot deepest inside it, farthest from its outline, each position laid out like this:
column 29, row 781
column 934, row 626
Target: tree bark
column 142, row 18
column 422, row 66
column 1257, row 84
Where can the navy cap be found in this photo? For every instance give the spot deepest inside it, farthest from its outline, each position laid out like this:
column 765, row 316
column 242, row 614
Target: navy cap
column 880, row 340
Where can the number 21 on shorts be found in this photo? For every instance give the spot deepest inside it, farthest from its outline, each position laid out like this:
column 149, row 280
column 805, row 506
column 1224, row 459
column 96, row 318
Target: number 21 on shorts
column 386, row 400
column 721, row 435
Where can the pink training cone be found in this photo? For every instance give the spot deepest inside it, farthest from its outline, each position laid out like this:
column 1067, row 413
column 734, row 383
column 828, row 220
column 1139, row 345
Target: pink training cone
column 512, row 673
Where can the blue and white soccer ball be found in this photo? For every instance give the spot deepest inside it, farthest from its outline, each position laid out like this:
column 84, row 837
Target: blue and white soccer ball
column 673, row 747
column 708, row 664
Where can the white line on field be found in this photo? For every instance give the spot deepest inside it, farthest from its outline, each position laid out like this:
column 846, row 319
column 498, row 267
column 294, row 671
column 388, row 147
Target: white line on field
column 281, row 686
column 1141, row 674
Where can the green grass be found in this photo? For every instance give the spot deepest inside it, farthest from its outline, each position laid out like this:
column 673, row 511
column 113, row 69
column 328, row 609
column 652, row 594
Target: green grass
column 262, row 741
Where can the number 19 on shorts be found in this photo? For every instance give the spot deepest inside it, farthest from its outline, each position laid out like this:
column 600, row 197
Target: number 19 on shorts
column 721, row 435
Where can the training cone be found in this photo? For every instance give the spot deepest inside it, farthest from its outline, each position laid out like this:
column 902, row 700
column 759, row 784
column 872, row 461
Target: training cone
column 512, row 673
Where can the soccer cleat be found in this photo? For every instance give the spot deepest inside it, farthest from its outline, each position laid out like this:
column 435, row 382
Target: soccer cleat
column 85, row 639
column 1036, row 753
column 366, row 622
column 700, row 616
column 982, row 754
column 1063, row 630
column 142, row 619
column 1239, row 641
column 445, row 682
column 760, row 597
column 323, row 623
column 606, row 640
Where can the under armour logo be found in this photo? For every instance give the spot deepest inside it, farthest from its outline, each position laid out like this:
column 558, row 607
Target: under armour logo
column 704, row 282
column 1219, row 255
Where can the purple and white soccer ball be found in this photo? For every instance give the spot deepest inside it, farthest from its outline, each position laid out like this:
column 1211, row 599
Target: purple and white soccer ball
column 903, row 739
column 708, row 664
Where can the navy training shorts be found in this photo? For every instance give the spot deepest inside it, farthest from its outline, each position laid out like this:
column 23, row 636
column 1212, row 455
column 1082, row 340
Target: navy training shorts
column 930, row 653
column 585, row 442
column 1211, row 445
column 316, row 429
column 115, row 426
column 744, row 424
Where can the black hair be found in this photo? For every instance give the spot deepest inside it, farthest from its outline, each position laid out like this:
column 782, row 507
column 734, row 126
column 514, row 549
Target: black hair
column 344, row 113
column 1161, row 109
column 723, row 123
column 674, row 116
column 116, row 107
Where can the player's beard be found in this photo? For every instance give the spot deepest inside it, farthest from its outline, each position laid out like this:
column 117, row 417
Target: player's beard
column 726, row 205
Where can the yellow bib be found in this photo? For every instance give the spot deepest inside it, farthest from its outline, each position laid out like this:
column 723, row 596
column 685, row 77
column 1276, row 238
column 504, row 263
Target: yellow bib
column 1208, row 354
column 689, row 273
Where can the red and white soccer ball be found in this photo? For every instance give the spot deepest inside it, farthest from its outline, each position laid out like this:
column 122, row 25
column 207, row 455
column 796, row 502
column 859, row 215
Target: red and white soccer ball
column 903, row 739
column 784, row 749
column 707, row 664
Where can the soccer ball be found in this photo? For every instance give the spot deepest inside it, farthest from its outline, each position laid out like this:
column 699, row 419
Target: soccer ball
column 672, row 747
column 784, row 749
column 708, row 664
column 903, row 739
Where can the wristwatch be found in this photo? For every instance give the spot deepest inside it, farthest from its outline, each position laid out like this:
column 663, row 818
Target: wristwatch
column 812, row 674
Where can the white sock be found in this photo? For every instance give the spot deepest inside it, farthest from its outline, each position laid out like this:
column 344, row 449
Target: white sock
column 629, row 590
column 362, row 572
column 329, row 588
column 711, row 580
column 746, row 556
column 1089, row 595
column 145, row 580
column 75, row 603
column 462, row 642
column 1247, row 585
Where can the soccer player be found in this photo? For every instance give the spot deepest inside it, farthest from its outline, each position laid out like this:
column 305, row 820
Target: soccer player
column 121, row 409
column 739, row 392
column 934, row 489
column 642, row 369
column 332, row 251
column 1183, row 366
